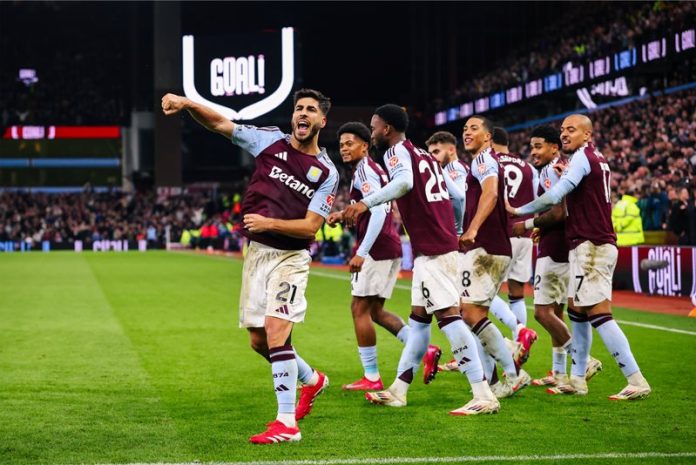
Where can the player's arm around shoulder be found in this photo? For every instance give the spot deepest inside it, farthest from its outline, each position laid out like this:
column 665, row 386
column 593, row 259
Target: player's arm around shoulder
column 206, row 117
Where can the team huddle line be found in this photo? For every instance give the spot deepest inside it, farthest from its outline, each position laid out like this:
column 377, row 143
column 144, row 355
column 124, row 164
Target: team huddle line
column 470, row 228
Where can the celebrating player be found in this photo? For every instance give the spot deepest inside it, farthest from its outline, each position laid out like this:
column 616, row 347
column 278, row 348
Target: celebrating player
column 488, row 250
column 586, row 185
column 521, row 183
column 443, row 146
column 289, row 195
column 552, row 271
column 417, row 183
column 377, row 261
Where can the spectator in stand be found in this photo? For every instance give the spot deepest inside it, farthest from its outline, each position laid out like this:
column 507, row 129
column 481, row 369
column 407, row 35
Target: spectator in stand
column 626, row 219
column 682, row 218
column 649, row 145
column 603, row 30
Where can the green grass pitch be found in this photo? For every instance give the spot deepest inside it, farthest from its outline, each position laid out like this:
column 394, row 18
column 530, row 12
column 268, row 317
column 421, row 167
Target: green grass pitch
column 136, row 357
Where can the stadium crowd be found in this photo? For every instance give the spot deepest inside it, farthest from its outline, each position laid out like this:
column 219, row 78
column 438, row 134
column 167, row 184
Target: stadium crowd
column 198, row 219
column 597, row 29
column 649, row 143
column 80, row 82
column 650, row 147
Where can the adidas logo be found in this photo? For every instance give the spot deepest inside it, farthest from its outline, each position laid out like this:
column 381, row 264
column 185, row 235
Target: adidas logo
column 282, row 155
column 465, row 293
column 282, row 388
column 283, row 310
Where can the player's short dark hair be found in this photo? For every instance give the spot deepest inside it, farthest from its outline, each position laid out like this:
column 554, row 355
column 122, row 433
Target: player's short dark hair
column 441, row 137
column 548, row 133
column 487, row 124
column 356, row 128
column 394, row 116
column 500, row 136
column 324, row 101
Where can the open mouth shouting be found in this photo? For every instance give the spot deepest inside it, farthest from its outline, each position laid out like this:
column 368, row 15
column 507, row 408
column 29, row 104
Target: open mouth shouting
column 302, row 128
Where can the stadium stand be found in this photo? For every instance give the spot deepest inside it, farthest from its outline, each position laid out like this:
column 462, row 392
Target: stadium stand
column 597, row 28
column 79, row 83
column 198, row 219
column 650, row 146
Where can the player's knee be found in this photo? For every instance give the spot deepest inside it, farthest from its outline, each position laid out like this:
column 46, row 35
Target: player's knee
column 542, row 314
column 259, row 346
column 360, row 307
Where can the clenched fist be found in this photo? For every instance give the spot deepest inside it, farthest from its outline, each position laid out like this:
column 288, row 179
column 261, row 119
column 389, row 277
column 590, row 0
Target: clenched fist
column 172, row 104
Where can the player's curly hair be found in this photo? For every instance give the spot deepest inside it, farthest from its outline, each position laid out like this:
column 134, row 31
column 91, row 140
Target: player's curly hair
column 324, row 101
column 356, row 128
column 394, row 115
column 548, row 133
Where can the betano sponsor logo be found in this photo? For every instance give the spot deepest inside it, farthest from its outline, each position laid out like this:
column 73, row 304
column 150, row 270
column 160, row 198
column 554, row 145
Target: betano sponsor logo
column 290, row 181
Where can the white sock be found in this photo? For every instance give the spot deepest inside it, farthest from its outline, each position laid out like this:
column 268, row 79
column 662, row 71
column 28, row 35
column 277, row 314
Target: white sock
column 615, row 341
column 519, row 309
column 368, row 357
column 400, row 388
column 582, row 341
column 560, row 359
column 304, row 371
column 502, row 312
column 637, row 379
column 494, row 344
column 464, row 347
column 487, row 362
column 481, row 390
column 402, row 335
column 284, row 369
column 413, row 351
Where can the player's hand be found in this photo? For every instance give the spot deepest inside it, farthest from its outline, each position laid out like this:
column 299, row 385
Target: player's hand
column 356, row 264
column 518, row 229
column 536, row 234
column 512, row 211
column 257, row 223
column 352, row 212
column 560, row 167
column 468, row 238
column 334, row 218
column 172, row 104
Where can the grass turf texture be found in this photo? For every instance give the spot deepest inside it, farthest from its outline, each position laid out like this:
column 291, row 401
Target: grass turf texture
column 118, row 358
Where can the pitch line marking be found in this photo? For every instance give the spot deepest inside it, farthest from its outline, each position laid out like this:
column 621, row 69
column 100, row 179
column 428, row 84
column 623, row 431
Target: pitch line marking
column 529, row 307
column 465, row 458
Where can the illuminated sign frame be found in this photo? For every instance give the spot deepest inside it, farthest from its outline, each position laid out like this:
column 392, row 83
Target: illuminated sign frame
column 254, row 110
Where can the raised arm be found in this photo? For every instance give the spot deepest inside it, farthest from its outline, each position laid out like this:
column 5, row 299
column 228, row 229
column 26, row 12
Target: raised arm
column 209, row 119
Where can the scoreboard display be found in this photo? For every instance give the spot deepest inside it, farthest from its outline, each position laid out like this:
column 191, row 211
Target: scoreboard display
column 247, row 77
column 243, row 76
